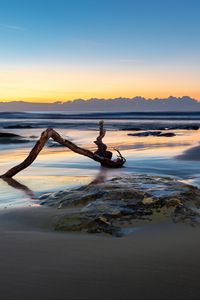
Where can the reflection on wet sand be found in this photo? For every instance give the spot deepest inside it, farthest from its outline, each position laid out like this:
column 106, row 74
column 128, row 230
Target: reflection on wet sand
column 19, row 186
column 99, row 178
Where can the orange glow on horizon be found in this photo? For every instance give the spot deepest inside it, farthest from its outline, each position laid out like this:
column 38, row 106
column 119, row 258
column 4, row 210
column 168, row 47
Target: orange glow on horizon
column 106, row 96
column 51, row 85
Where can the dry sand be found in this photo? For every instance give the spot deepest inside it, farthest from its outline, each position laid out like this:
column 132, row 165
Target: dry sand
column 156, row 262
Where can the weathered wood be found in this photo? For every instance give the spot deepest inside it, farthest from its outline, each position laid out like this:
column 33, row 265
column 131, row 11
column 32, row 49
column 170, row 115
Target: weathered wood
column 31, row 157
column 102, row 148
column 101, row 155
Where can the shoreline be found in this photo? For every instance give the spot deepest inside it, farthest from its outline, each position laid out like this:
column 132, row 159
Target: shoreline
column 158, row 260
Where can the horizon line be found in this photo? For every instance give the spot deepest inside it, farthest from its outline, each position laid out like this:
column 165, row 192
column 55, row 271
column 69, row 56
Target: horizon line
column 96, row 98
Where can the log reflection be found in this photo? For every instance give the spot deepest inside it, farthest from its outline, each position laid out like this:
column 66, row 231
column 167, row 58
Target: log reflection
column 101, row 176
column 19, row 186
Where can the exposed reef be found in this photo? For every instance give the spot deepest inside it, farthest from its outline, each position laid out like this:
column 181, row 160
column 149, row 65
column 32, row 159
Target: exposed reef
column 117, row 205
column 7, row 138
column 153, row 133
column 167, row 126
column 9, row 135
column 18, row 126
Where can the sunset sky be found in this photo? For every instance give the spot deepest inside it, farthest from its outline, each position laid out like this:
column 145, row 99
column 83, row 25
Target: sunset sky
column 54, row 50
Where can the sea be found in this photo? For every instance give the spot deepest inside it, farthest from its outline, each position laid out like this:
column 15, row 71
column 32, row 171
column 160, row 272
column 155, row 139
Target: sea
column 160, row 144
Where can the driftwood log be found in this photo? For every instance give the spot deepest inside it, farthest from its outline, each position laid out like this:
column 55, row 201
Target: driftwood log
column 102, row 155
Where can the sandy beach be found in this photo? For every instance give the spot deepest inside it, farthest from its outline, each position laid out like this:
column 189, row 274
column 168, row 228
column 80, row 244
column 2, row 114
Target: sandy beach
column 155, row 262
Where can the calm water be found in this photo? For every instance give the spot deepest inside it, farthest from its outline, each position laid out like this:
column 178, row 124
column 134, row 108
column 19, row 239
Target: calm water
column 58, row 168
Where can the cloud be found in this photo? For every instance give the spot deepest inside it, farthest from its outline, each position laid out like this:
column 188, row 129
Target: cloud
column 11, row 27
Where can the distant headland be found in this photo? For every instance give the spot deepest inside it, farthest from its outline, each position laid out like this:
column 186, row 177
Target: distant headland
column 136, row 104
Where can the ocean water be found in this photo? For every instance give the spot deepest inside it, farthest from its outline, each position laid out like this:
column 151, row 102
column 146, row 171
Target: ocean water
column 57, row 168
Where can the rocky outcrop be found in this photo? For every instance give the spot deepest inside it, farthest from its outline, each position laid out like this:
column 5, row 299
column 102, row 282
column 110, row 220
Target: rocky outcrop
column 8, row 135
column 166, row 126
column 116, row 205
column 7, row 138
column 18, row 126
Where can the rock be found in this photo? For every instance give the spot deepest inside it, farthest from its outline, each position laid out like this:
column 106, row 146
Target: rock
column 18, row 127
column 163, row 127
column 95, row 225
column 146, row 133
column 173, row 202
column 109, row 207
column 11, row 138
column 167, row 134
column 184, row 214
column 72, row 223
column 152, row 133
column 33, row 136
column 148, row 200
column 8, row 135
column 13, row 141
column 104, row 220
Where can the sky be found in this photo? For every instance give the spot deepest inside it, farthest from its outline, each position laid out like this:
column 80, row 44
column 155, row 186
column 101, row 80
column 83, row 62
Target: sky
column 58, row 50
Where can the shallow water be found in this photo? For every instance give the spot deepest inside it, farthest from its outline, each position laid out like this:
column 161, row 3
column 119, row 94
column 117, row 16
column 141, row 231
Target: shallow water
column 57, row 168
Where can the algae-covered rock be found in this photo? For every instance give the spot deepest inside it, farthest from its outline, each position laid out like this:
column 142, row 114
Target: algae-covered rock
column 148, row 200
column 103, row 207
column 90, row 225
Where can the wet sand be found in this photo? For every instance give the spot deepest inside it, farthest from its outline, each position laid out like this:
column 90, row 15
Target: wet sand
column 156, row 262
column 192, row 153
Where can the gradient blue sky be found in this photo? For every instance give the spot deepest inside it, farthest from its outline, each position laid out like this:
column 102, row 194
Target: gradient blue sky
column 66, row 49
